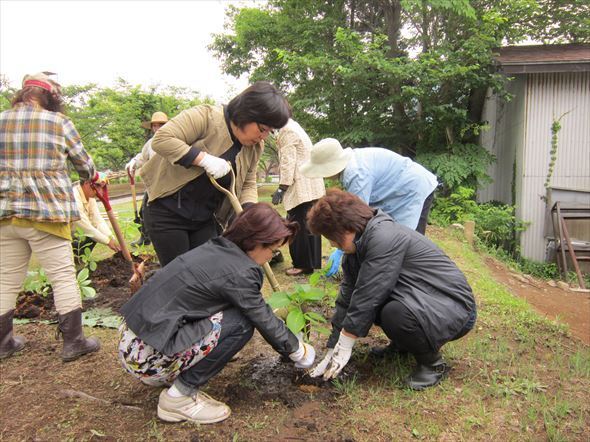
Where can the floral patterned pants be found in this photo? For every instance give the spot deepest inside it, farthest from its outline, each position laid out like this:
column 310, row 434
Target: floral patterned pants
column 153, row 367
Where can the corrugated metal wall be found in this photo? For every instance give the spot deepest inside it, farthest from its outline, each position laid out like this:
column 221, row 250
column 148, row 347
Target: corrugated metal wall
column 548, row 97
column 505, row 135
column 521, row 131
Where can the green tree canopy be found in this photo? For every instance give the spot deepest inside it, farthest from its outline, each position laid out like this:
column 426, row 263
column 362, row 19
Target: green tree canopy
column 409, row 75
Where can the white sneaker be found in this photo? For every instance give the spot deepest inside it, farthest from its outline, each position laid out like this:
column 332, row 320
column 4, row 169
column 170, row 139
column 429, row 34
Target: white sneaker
column 200, row 408
column 155, row 382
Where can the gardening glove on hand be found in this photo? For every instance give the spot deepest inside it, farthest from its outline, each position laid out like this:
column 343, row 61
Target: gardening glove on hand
column 304, row 356
column 100, row 179
column 321, row 367
column 130, row 167
column 214, row 166
column 334, row 262
column 341, row 356
column 277, row 197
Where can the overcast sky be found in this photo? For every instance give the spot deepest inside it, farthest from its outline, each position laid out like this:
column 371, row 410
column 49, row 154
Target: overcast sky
column 144, row 42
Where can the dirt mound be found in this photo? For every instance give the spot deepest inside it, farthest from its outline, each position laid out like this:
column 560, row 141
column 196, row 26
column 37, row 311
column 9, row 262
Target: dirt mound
column 110, row 279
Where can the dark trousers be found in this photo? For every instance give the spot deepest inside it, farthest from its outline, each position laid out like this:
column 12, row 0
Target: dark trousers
column 306, row 248
column 236, row 331
column 405, row 332
column 421, row 228
column 142, row 227
column 172, row 235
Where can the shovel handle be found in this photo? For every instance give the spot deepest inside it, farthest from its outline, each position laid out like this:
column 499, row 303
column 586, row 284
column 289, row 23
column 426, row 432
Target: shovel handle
column 119, row 235
column 235, row 202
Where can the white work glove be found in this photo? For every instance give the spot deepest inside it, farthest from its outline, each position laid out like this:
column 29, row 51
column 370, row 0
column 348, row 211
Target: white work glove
column 339, row 358
column 214, row 166
column 321, row 367
column 304, row 356
column 130, row 167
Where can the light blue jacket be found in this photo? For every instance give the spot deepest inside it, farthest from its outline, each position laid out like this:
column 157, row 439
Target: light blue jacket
column 390, row 182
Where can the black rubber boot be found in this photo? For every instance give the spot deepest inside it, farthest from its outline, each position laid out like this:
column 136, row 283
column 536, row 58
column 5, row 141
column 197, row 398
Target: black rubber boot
column 75, row 343
column 9, row 344
column 387, row 350
column 430, row 370
column 142, row 241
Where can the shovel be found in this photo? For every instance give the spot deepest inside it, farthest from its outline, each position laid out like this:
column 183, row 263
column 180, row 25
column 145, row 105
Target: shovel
column 134, row 197
column 138, row 270
column 235, row 202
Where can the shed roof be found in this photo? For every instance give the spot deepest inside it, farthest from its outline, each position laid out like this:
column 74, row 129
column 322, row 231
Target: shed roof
column 544, row 58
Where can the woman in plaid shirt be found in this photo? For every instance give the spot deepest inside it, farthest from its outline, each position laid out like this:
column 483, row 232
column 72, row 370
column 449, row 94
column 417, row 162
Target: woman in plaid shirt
column 37, row 205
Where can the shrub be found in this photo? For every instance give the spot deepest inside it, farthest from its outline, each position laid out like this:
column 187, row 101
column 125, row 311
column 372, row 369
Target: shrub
column 495, row 223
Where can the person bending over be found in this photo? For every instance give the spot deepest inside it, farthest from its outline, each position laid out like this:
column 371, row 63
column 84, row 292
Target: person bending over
column 187, row 322
column 393, row 277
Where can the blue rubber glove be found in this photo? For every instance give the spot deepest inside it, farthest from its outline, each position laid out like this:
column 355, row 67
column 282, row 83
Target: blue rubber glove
column 334, row 262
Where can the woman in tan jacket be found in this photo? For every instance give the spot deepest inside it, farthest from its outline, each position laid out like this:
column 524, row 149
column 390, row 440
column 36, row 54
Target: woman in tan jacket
column 298, row 193
column 184, row 209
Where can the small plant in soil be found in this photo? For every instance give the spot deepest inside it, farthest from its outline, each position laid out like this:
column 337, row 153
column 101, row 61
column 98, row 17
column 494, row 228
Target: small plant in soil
column 83, row 252
column 303, row 307
column 84, row 281
column 37, row 282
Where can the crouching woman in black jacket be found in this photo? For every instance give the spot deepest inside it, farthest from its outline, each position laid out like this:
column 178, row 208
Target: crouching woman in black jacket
column 186, row 323
column 395, row 278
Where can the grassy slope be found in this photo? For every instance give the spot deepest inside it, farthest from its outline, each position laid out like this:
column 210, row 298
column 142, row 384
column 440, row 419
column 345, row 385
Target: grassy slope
column 517, row 376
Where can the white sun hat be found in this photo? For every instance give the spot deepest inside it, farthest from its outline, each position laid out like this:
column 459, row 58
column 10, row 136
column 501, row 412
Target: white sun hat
column 327, row 159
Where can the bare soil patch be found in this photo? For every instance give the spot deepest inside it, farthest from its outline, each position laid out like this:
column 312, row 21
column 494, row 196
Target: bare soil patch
column 570, row 307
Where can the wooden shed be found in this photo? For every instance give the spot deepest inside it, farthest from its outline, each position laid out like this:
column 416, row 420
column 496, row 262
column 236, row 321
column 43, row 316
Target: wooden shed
column 548, row 83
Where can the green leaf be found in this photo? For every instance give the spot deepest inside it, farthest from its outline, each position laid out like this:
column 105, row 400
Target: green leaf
column 314, row 294
column 88, row 292
column 295, row 320
column 314, row 279
column 323, row 330
column 82, row 275
column 301, row 288
column 92, row 265
column 313, row 316
column 278, row 300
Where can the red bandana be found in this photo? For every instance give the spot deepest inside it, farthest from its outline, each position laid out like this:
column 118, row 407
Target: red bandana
column 38, row 83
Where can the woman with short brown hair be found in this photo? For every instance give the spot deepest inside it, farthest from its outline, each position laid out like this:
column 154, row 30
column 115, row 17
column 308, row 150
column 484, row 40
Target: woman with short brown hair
column 393, row 277
column 195, row 314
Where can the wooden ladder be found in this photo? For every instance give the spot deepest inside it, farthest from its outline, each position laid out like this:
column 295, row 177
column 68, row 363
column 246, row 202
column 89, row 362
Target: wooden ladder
column 564, row 241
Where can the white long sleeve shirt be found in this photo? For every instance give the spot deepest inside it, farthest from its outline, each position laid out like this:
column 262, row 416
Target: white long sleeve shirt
column 91, row 222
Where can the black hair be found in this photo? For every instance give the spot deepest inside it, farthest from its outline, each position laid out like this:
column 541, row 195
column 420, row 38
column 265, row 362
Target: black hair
column 260, row 103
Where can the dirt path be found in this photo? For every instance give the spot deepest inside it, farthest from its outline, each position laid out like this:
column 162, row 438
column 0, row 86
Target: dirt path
column 570, row 307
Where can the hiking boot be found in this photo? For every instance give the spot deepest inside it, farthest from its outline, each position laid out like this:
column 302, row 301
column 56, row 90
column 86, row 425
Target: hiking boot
column 277, row 257
column 387, row 350
column 200, row 408
column 9, row 344
column 75, row 343
column 430, row 370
